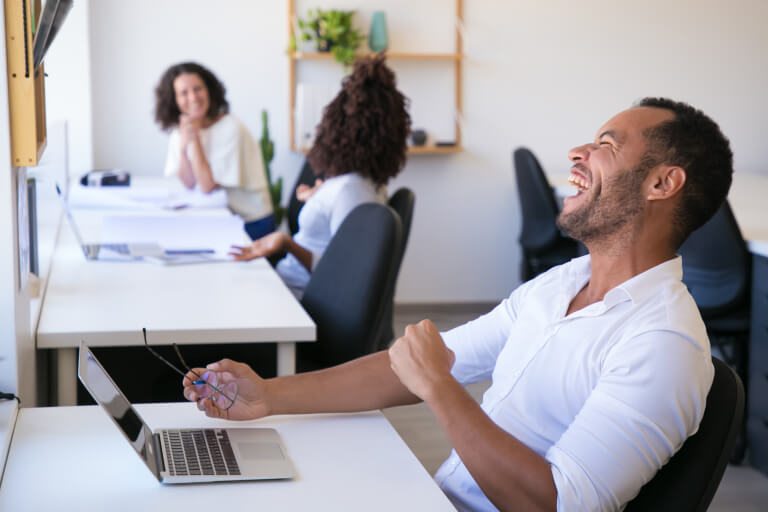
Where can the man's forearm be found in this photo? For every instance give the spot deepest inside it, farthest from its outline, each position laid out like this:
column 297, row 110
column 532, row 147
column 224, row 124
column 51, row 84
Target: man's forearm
column 510, row 474
column 364, row 384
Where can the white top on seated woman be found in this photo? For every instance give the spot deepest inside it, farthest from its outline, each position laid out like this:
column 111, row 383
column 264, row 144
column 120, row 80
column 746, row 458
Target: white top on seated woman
column 210, row 148
column 360, row 145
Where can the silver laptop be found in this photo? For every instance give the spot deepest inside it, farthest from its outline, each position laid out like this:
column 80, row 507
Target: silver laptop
column 136, row 250
column 187, row 455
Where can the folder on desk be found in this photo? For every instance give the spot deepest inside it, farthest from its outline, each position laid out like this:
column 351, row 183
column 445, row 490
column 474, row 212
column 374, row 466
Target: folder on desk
column 177, row 233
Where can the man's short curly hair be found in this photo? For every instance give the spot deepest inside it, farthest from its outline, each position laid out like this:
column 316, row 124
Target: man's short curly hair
column 167, row 111
column 364, row 129
column 694, row 142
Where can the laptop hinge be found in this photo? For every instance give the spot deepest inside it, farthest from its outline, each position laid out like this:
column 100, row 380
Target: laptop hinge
column 159, row 462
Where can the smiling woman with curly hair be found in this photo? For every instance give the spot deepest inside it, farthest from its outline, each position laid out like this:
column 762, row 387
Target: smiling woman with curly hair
column 360, row 145
column 209, row 148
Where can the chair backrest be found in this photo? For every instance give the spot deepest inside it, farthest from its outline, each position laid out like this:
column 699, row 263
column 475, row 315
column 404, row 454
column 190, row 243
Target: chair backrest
column 537, row 202
column 306, row 177
column 402, row 201
column 689, row 480
column 346, row 291
column 716, row 264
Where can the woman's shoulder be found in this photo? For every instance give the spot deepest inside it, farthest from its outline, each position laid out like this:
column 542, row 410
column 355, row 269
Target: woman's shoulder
column 229, row 127
column 350, row 185
column 226, row 122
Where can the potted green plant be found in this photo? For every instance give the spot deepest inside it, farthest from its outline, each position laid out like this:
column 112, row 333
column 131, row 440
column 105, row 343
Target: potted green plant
column 332, row 31
column 268, row 152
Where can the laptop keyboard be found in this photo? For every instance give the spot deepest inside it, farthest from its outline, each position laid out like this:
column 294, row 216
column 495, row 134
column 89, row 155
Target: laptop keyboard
column 199, row 452
column 118, row 248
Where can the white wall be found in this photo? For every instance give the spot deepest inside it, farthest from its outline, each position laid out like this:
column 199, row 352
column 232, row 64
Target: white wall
column 544, row 75
column 68, row 88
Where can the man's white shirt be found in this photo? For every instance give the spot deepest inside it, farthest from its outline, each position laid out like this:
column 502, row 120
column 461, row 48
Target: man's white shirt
column 606, row 394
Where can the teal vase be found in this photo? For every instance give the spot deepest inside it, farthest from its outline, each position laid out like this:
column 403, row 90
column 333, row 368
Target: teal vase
column 377, row 39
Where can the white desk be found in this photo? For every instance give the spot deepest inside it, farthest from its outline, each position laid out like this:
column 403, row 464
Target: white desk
column 73, row 458
column 108, row 303
column 9, row 410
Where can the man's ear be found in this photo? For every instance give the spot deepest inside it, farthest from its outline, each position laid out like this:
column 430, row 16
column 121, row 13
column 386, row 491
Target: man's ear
column 664, row 182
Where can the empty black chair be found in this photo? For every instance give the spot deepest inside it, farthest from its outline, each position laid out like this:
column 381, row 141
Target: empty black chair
column 402, row 201
column 542, row 243
column 306, row 177
column 346, row 292
column 689, row 480
column 717, row 272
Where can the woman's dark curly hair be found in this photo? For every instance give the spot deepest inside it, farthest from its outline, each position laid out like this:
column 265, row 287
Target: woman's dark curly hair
column 167, row 111
column 364, row 129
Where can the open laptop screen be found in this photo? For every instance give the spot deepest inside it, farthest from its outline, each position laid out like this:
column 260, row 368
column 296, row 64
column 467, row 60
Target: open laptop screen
column 106, row 393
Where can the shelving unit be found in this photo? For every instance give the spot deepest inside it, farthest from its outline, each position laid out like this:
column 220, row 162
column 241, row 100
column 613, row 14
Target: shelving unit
column 26, row 85
column 455, row 58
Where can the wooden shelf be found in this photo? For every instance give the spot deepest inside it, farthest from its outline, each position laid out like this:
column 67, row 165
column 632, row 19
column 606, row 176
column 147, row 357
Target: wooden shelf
column 390, row 55
column 414, row 150
column 433, row 150
column 455, row 59
column 26, row 86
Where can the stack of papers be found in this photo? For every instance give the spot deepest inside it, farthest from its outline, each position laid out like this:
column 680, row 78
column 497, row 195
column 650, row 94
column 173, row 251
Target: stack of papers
column 144, row 198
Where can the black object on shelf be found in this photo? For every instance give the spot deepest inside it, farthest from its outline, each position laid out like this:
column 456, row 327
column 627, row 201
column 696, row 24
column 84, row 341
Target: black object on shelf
column 106, row 178
column 418, row 137
column 445, row 143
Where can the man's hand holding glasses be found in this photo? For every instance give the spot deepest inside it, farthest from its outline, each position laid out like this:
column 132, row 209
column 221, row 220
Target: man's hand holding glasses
column 251, row 401
column 211, row 387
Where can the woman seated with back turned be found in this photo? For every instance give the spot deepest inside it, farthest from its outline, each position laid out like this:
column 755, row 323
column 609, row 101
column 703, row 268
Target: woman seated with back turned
column 360, row 145
column 211, row 148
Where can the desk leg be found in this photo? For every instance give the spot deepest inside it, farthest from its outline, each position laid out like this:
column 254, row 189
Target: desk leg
column 286, row 359
column 66, row 367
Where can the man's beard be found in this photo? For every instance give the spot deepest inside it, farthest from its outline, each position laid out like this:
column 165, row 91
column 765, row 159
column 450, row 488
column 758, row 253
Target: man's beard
column 606, row 215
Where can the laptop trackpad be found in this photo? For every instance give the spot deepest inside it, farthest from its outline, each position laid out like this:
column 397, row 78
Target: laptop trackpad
column 146, row 249
column 260, row 451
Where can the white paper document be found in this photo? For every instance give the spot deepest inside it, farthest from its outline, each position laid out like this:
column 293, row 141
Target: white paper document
column 202, row 237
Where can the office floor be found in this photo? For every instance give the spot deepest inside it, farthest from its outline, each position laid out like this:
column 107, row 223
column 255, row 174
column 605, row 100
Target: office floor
column 743, row 489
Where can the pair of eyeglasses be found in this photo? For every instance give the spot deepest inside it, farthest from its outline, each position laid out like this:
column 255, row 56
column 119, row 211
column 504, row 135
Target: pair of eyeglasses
column 208, row 385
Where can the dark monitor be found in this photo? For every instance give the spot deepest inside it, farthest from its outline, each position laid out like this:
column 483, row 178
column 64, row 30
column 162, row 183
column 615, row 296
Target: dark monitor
column 50, row 21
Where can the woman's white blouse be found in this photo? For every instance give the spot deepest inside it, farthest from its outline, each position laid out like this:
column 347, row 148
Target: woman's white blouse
column 236, row 164
column 320, row 218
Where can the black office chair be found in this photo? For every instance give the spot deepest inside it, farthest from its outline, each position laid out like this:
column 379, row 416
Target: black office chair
column 542, row 243
column 307, row 176
column 402, row 201
column 717, row 272
column 346, row 292
column 689, row 480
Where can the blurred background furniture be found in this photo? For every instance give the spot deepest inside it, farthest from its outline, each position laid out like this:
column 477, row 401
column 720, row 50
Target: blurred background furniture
column 542, row 243
column 402, row 201
column 689, row 480
column 757, row 419
column 306, row 177
column 346, row 293
column 716, row 270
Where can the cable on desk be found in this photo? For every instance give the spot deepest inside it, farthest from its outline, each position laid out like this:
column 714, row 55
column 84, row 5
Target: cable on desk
column 10, row 396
